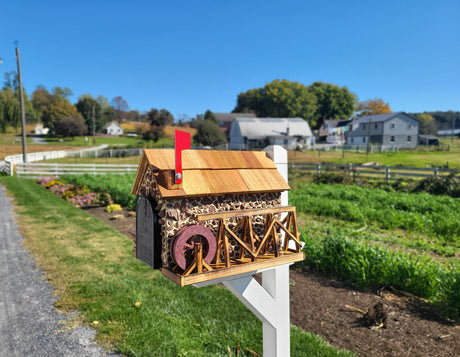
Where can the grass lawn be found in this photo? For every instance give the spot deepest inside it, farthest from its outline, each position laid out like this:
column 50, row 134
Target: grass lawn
column 92, row 269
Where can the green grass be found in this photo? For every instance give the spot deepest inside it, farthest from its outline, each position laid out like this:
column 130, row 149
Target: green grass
column 415, row 158
column 437, row 216
column 92, row 269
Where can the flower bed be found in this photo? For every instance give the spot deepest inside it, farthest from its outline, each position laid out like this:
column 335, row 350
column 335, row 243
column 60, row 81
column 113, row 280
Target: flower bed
column 78, row 196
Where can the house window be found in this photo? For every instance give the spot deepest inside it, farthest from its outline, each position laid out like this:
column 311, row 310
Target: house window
column 364, row 127
column 364, row 139
column 392, row 139
column 352, row 141
column 376, row 126
column 409, row 139
column 392, row 125
column 409, row 126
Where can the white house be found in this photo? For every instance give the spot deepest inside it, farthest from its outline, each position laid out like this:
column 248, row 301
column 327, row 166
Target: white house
column 250, row 133
column 40, row 130
column 113, row 129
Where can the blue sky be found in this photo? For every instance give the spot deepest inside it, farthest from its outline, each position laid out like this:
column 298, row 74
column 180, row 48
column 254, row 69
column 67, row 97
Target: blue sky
column 189, row 56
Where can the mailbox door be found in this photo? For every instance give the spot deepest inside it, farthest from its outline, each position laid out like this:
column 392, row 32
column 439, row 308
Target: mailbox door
column 148, row 240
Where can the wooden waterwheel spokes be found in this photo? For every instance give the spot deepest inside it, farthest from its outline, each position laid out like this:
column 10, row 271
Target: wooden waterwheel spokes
column 183, row 245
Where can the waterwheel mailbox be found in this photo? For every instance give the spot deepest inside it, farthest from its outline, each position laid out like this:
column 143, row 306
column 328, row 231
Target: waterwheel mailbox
column 206, row 216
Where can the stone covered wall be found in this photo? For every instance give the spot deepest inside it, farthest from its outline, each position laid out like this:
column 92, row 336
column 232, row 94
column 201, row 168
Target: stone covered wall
column 179, row 212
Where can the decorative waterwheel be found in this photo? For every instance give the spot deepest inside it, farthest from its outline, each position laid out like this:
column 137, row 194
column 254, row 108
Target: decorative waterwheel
column 184, row 244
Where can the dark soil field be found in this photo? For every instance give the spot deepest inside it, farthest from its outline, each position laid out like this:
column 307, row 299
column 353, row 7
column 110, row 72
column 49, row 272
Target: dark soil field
column 402, row 325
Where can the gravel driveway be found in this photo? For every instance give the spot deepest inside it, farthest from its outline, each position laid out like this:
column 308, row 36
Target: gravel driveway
column 29, row 324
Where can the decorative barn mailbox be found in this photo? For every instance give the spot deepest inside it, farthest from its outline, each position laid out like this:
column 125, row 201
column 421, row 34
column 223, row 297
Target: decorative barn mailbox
column 204, row 215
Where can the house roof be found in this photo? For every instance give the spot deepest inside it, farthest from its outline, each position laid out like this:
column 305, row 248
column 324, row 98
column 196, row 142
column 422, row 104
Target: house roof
column 377, row 118
column 112, row 123
column 212, row 172
column 261, row 128
column 229, row 117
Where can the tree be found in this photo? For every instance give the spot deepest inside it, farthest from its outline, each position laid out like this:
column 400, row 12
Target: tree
column 280, row 98
column 10, row 110
column 71, row 126
column 41, row 100
column 332, row 102
column 56, row 111
column 208, row 115
column 427, row 124
column 121, row 106
column 157, row 120
column 373, row 107
column 60, row 93
column 161, row 117
column 87, row 106
column 209, row 133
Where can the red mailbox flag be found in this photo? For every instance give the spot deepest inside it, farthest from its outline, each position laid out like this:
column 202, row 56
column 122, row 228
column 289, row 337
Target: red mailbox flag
column 182, row 142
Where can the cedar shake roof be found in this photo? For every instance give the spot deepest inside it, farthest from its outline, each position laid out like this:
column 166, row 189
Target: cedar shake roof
column 211, row 173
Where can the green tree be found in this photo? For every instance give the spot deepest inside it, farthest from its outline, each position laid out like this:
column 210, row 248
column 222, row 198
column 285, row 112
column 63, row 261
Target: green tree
column 86, row 106
column 157, row 120
column 209, row 133
column 61, row 93
column 280, row 98
column 332, row 102
column 373, row 107
column 71, row 126
column 208, row 115
column 10, row 110
column 120, row 107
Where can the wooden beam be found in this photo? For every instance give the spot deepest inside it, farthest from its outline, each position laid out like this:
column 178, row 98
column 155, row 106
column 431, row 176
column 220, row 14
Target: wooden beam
column 243, row 213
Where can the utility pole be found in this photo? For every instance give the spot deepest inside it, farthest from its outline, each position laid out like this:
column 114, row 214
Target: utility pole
column 453, row 126
column 94, row 126
column 23, row 115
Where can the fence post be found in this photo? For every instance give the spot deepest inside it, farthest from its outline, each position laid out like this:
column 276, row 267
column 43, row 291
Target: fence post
column 436, row 171
column 94, row 169
column 387, row 174
column 55, row 170
column 318, row 169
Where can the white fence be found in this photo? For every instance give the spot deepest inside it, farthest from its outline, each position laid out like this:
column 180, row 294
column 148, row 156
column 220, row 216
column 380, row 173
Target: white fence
column 382, row 172
column 36, row 170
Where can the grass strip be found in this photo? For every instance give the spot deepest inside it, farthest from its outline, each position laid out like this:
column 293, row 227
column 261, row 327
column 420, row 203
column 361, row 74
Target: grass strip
column 91, row 267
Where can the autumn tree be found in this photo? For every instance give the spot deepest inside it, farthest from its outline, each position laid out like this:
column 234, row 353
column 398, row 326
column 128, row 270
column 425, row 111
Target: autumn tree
column 427, row 124
column 41, row 100
column 280, row 98
column 332, row 102
column 373, row 107
column 56, row 111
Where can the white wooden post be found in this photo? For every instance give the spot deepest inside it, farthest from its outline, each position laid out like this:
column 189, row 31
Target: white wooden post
column 269, row 301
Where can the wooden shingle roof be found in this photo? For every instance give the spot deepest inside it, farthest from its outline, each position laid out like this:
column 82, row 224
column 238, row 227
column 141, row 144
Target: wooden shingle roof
column 212, row 172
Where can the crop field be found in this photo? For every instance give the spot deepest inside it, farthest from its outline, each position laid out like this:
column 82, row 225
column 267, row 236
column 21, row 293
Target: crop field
column 367, row 237
column 372, row 238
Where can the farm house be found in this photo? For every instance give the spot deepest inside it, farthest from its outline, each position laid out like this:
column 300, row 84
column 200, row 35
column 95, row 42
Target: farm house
column 230, row 200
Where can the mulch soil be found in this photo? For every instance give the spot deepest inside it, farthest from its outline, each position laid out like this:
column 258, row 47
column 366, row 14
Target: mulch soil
column 369, row 323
